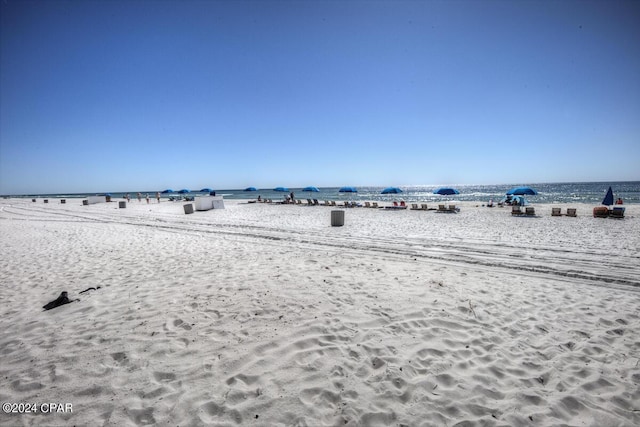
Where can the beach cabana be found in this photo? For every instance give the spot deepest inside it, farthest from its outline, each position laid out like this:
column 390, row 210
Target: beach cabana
column 446, row 191
column 522, row 191
column 391, row 190
column 348, row 190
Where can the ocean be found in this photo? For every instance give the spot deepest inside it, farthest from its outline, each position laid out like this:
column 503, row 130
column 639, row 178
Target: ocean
column 571, row 192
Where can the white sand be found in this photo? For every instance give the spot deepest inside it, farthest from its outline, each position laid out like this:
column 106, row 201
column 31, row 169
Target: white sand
column 266, row 315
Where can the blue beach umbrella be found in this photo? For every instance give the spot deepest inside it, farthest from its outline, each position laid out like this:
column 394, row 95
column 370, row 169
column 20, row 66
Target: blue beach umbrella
column 184, row 191
column 348, row 190
column 608, row 198
column 206, row 190
column 251, row 189
column 446, row 191
column 311, row 188
column 522, row 191
column 168, row 190
column 391, row 190
column 283, row 189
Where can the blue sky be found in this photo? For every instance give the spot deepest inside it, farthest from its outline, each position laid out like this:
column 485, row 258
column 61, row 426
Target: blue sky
column 127, row 95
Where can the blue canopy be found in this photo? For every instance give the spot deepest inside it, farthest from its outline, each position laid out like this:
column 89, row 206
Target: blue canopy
column 281, row 189
column 391, row 190
column 608, row 199
column 206, row 190
column 348, row 190
column 184, row 190
column 251, row 189
column 311, row 188
column 168, row 190
column 446, row 191
column 522, row 191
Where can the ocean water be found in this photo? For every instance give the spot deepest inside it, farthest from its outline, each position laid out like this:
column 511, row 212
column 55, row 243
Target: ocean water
column 572, row 192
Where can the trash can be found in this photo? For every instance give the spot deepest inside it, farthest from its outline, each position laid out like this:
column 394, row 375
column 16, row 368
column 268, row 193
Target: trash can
column 108, row 199
column 337, row 218
column 122, row 205
column 188, row 209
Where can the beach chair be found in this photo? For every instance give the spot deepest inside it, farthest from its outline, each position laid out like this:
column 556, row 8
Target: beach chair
column 515, row 210
column 530, row 211
column 403, row 204
column 571, row 212
column 414, row 207
column 316, row 202
column 556, row 211
column 309, row 202
column 424, row 207
column 327, row 203
column 442, row 208
column 333, row 203
column 367, row 204
column 452, row 208
column 374, row 205
column 617, row 212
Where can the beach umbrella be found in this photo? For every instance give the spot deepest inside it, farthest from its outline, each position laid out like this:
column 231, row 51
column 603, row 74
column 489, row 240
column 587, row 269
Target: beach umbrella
column 446, row 191
column 348, row 190
column 391, row 190
column 608, row 198
column 168, row 190
column 184, row 191
column 251, row 189
column 283, row 189
column 206, row 190
column 522, row 191
column 311, row 188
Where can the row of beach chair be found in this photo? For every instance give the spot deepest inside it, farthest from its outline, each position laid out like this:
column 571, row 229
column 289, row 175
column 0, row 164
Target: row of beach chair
column 558, row 212
column 528, row 211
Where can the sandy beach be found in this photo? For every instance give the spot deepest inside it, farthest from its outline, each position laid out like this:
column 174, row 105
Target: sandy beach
column 263, row 314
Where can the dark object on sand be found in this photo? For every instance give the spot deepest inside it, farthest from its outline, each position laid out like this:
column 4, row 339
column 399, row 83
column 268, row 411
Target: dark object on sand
column 89, row 289
column 61, row 300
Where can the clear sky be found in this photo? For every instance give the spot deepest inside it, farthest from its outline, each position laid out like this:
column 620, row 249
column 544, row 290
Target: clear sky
column 126, row 95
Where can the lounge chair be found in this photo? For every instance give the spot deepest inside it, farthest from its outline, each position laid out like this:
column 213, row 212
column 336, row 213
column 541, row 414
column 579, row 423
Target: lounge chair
column 333, row 203
column 530, row 211
column 374, row 205
column 515, row 210
column 402, row 203
column 424, row 207
column 316, row 202
column 442, row 208
column 414, row 207
column 617, row 212
column 556, row 212
column 367, row 204
column 452, row 208
column 327, row 203
column 571, row 212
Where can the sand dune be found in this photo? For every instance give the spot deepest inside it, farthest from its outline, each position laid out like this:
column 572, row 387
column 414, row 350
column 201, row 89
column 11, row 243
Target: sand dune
column 266, row 315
